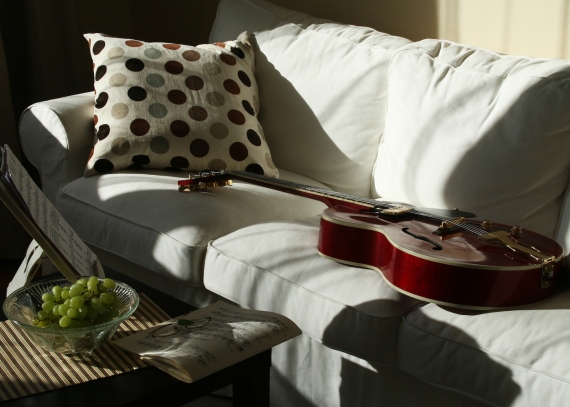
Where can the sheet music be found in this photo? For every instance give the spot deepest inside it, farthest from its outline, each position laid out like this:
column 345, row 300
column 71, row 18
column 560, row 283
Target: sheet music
column 222, row 335
column 49, row 219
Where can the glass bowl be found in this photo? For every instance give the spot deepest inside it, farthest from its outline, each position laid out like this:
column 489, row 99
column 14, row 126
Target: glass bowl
column 23, row 304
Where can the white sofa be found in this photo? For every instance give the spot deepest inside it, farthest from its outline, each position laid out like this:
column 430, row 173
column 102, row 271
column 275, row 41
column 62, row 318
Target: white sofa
column 430, row 123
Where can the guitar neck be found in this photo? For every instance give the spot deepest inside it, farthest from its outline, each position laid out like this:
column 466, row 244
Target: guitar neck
column 327, row 196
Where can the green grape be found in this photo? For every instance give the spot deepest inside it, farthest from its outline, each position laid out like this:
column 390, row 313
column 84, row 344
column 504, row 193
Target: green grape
column 65, row 321
column 63, row 308
column 48, row 305
column 48, row 297
column 67, row 302
column 92, row 286
column 106, row 298
column 73, row 313
column 108, row 283
column 43, row 315
column 103, row 289
column 83, row 310
column 82, row 282
column 65, row 294
column 93, row 279
column 55, row 310
column 118, row 304
column 56, row 291
column 76, row 302
column 42, row 324
column 75, row 291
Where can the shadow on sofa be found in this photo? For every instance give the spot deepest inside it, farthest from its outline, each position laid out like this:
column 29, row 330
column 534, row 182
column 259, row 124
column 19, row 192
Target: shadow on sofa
column 496, row 379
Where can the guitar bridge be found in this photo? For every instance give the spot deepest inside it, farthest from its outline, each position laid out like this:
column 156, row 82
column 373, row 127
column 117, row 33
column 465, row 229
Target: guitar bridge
column 205, row 185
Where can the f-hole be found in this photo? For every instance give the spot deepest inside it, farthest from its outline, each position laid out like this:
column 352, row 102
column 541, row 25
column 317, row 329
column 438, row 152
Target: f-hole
column 436, row 246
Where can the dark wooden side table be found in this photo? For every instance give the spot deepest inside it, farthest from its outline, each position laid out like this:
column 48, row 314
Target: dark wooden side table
column 148, row 386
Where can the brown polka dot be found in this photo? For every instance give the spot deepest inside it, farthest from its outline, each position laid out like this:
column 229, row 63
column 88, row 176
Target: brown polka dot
column 199, row 148
column 236, row 117
column 228, row 59
column 253, row 137
column 231, row 86
column 171, row 46
column 194, row 83
column 179, row 128
column 134, row 44
column 173, row 67
column 220, row 44
column 198, row 113
column 134, row 65
column 137, row 93
column 191, row 55
column 179, row 162
column 139, row 127
column 177, row 97
column 238, row 151
column 98, row 47
column 101, row 100
column 244, row 78
column 103, row 131
column 101, row 71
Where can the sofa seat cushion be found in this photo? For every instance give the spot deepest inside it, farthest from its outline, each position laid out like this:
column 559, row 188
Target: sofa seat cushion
column 275, row 266
column 509, row 358
column 472, row 129
column 300, row 59
column 143, row 218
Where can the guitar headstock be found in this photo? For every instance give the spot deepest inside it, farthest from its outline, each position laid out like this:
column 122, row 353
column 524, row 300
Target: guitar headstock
column 205, row 179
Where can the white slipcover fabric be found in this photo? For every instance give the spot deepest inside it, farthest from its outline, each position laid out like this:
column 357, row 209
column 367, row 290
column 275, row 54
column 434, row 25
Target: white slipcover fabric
column 322, row 89
column 476, row 130
column 514, row 358
column 275, row 266
column 142, row 217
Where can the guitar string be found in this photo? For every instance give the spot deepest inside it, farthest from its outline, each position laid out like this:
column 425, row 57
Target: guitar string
column 357, row 199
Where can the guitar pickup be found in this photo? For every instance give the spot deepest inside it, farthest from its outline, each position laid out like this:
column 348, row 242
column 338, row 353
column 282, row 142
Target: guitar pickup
column 396, row 210
column 449, row 227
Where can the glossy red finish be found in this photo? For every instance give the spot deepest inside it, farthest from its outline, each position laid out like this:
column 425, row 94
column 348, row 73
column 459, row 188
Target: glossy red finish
column 467, row 271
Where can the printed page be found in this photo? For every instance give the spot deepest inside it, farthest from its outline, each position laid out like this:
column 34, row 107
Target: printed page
column 205, row 341
column 49, row 220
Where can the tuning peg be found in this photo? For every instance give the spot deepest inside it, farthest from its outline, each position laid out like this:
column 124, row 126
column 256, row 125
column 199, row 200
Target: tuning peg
column 516, row 230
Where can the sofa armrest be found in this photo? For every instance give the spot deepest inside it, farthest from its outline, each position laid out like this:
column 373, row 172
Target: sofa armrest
column 57, row 136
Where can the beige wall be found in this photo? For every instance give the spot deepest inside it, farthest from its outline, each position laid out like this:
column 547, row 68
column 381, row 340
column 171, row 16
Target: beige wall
column 539, row 28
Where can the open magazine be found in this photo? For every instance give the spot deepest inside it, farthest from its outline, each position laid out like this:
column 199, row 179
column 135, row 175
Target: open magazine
column 210, row 339
column 43, row 222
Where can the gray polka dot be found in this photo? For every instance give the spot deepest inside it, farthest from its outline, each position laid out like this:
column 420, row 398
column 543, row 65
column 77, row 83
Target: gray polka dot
column 217, row 165
column 155, row 80
column 215, row 99
column 158, row 110
column 212, row 69
column 115, row 52
column 119, row 111
column 117, row 79
column 152, row 53
column 219, row 131
column 120, row 146
column 159, row 145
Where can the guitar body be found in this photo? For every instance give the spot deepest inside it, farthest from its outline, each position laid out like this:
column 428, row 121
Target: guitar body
column 459, row 270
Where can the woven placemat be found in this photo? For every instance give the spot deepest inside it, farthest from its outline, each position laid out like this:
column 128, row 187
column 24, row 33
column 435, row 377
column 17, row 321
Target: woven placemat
column 26, row 369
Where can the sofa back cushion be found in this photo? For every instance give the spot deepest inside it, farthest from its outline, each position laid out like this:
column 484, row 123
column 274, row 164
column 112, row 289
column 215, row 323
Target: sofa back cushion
column 322, row 89
column 471, row 129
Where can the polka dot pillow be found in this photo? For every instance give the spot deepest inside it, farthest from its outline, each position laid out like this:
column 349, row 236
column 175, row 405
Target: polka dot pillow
column 176, row 107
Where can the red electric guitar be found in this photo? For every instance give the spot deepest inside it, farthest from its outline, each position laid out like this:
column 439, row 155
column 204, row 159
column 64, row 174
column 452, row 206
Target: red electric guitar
column 438, row 256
